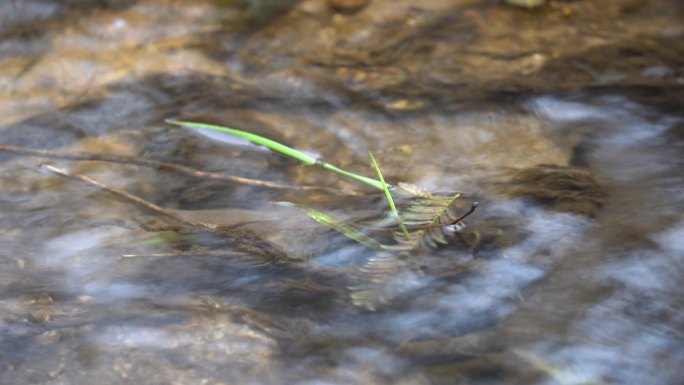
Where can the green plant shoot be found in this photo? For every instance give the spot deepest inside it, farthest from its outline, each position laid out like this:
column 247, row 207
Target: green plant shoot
column 278, row 147
column 389, row 198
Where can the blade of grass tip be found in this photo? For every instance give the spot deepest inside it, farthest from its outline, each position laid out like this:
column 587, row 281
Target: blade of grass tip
column 347, row 230
column 277, row 147
column 389, row 198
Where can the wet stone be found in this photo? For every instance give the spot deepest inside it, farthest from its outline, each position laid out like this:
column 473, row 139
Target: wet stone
column 565, row 189
column 347, row 6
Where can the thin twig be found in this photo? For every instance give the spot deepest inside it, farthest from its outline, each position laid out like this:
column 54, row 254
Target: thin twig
column 86, row 156
column 208, row 227
column 187, row 254
column 48, row 167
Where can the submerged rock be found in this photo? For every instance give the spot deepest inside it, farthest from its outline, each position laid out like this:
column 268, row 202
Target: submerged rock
column 347, row 6
column 526, row 3
column 560, row 188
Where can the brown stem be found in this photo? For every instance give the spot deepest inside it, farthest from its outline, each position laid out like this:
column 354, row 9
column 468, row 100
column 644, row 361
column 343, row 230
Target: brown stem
column 85, row 156
column 48, row 167
column 212, row 253
column 474, row 206
column 270, row 253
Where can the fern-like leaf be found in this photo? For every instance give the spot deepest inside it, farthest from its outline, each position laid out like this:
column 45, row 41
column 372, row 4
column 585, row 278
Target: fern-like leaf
column 377, row 287
column 429, row 216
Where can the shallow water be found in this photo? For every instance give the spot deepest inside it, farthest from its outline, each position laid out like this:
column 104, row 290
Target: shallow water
column 564, row 121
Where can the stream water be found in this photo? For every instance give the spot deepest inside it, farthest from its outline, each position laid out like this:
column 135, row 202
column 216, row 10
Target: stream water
column 565, row 121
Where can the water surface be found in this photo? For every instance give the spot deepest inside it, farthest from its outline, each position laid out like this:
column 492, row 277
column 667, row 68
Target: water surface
column 564, row 121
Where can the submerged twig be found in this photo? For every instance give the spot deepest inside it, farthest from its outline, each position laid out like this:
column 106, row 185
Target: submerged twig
column 225, row 231
column 186, row 254
column 48, row 167
column 122, row 159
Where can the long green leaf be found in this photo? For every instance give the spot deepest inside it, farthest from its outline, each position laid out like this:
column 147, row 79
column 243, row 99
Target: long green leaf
column 371, row 182
column 389, row 198
column 278, row 147
column 256, row 139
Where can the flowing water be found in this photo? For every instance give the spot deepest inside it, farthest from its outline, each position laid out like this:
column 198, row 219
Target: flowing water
column 566, row 122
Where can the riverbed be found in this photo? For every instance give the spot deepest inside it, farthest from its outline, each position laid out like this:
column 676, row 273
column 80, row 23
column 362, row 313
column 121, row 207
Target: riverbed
column 565, row 121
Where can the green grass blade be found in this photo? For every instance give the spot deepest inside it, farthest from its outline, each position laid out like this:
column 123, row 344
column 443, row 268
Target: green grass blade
column 277, row 147
column 347, row 230
column 389, row 198
column 256, row 139
column 371, row 182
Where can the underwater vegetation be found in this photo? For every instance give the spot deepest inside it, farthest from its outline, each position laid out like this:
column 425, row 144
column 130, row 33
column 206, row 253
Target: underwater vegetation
column 428, row 216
